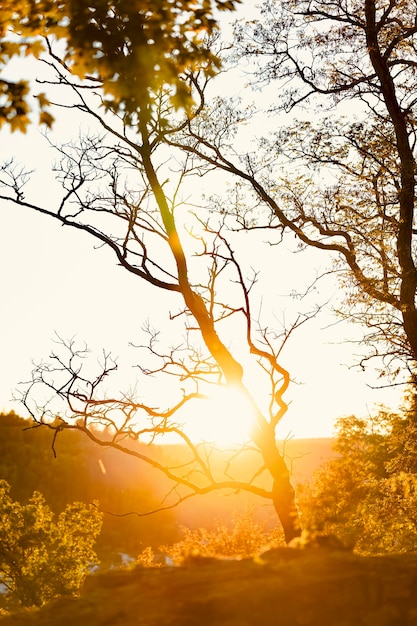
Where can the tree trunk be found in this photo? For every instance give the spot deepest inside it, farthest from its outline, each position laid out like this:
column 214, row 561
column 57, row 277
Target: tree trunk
column 283, row 493
column 406, row 159
column 284, row 503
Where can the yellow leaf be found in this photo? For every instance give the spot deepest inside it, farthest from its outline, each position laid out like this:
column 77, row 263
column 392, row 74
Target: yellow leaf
column 36, row 48
column 11, row 49
column 42, row 100
column 46, row 118
column 19, row 122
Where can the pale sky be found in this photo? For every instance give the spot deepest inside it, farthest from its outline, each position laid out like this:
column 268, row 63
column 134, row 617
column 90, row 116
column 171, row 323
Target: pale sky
column 53, row 280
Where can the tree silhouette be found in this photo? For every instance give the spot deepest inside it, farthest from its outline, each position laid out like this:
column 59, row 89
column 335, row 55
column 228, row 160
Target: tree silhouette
column 120, row 188
column 342, row 177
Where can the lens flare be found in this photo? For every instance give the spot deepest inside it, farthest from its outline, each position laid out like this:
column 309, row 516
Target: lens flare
column 225, row 417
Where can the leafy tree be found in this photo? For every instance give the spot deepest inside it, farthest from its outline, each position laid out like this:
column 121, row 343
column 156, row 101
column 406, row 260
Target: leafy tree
column 341, row 177
column 131, row 49
column 367, row 494
column 42, row 557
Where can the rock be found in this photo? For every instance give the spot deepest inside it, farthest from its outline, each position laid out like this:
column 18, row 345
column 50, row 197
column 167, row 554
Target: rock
column 284, row 588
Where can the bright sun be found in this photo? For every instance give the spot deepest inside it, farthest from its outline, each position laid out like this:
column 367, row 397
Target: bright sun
column 224, row 418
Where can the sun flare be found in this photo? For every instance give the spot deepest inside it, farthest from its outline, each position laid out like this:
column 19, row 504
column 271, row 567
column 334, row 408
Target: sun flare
column 225, row 417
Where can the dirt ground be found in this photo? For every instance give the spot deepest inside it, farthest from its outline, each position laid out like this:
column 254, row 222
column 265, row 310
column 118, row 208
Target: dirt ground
column 284, row 587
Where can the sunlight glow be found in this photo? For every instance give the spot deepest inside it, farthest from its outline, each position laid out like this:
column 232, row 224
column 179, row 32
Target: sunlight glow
column 225, row 418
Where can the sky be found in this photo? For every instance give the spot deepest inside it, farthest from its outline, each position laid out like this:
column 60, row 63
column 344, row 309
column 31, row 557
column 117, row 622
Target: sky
column 53, row 281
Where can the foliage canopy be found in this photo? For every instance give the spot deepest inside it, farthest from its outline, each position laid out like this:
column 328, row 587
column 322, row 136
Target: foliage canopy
column 242, row 538
column 367, row 495
column 131, row 49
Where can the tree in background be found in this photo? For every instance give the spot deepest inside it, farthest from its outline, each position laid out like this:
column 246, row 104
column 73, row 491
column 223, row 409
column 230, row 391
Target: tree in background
column 341, row 177
column 42, row 557
column 367, row 495
column 116, row 482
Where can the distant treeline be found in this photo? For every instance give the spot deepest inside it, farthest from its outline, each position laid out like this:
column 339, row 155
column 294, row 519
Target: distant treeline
column 83, row 471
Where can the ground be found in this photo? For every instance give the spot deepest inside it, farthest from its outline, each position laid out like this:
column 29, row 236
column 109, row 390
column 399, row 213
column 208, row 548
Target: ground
column 286, row 587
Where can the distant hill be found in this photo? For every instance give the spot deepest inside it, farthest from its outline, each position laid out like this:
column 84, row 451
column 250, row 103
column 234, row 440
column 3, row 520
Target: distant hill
column 303, row 457
column 84, row 471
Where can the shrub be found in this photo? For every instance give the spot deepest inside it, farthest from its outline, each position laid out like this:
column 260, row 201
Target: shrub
column 243, row 538
column 42, row 557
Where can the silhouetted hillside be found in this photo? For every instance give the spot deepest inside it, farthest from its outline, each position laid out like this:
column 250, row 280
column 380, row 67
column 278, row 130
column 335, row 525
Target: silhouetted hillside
column 84, row 471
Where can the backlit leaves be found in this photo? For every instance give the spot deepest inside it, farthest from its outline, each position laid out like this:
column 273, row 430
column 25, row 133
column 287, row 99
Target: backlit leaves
column 133, row 47
column 40, row 557
column 14, row 108
column 367, row 494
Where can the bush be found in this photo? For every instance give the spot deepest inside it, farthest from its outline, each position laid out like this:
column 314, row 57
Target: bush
column 367, row 495
column 42, row 557
column 242, row 539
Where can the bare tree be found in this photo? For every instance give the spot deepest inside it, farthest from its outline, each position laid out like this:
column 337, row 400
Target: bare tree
column 124, row 190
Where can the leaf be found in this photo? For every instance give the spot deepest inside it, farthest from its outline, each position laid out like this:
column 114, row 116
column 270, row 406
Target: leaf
column 10, row 49
column 182, row 99
column 19, row 122
column 43, row 100
column 46, row 118
column 36, row 48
